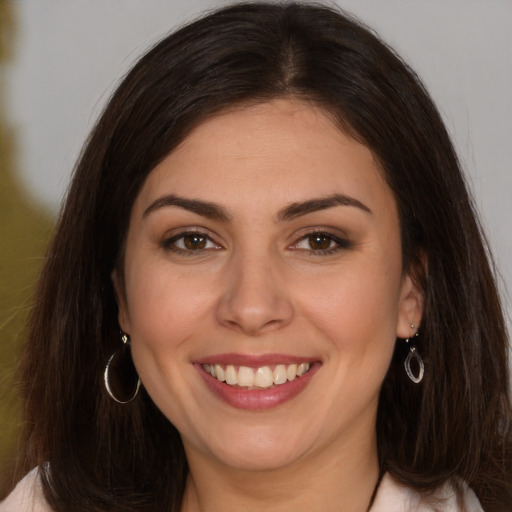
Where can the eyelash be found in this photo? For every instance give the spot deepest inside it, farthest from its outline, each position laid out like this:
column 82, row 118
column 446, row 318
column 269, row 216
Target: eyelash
column 169, row 244
column 340, row 243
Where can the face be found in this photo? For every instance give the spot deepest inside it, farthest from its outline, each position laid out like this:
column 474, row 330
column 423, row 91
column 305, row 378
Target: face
column 263, row 287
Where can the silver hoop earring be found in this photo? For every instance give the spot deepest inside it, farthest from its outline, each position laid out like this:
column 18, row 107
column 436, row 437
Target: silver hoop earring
column 413, row 355
column 119, row 372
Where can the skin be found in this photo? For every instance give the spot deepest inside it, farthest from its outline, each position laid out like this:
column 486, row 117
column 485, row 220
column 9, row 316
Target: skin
column 255, row 287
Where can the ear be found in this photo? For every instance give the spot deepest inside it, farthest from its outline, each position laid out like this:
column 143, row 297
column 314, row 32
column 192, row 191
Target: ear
column 410, row 308
column 120, row 293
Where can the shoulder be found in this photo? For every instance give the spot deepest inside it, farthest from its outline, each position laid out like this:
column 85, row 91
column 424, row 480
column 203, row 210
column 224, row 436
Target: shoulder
column 399, row 498
column 27, row 496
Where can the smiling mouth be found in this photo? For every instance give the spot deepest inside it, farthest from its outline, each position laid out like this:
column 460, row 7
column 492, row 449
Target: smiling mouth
column 264, row 377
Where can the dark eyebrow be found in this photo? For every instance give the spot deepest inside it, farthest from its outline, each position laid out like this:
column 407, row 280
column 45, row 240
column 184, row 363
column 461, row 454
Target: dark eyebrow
column 203, row 208
column 292, row 211
column 295, row 210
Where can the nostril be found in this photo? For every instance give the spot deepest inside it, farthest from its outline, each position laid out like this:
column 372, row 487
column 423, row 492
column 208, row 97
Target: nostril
column 254, row 320
column 254, row 299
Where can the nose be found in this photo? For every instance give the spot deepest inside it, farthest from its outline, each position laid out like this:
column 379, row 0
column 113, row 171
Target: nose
column 254, row 298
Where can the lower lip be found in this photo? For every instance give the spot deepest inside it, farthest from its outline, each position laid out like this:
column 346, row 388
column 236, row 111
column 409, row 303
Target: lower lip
column 258, row 399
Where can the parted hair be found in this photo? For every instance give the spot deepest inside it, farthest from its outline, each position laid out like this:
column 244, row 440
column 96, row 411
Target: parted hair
column 95, row 454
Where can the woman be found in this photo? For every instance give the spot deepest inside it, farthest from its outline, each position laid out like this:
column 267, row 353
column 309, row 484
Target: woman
column 270, row 220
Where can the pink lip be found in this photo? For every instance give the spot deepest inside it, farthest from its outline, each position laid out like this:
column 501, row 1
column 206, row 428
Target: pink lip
column 256, row 399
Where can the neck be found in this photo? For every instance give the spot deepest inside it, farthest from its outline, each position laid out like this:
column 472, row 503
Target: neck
column 320, row 481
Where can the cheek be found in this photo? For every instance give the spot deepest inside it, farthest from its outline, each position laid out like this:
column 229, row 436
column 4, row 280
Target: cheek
column 358, row 311
column 164, row 315
column 163, row 307
column 356, row 300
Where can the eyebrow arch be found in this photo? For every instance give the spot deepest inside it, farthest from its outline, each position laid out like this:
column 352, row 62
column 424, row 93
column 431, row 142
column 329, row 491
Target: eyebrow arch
column 290, row 212
column 203, row 208
column 295, row 210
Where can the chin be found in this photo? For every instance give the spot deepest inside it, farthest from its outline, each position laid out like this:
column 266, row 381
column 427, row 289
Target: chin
column 257, row 449
column 257, row 459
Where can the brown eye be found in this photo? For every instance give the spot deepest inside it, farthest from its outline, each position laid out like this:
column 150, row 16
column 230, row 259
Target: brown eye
column 189, row 243
column 195, row 242
column 319, row 242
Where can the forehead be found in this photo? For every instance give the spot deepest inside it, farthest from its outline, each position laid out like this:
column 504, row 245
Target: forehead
column 282, row 151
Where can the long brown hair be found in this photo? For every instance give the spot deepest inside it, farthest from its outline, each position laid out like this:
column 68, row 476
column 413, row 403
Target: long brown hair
column 95, row 454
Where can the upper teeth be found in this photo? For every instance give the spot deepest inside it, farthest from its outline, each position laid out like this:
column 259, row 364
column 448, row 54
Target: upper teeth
column 263, row 377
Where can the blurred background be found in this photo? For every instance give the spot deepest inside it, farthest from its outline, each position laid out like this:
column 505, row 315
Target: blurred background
column 60, row 60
